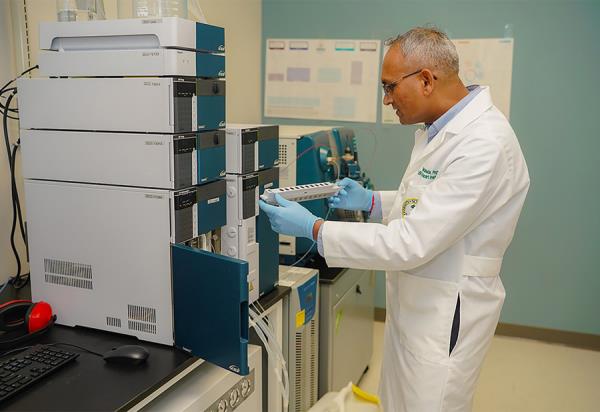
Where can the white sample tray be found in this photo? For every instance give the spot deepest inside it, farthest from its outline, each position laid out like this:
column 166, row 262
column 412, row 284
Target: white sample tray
column 301, row 193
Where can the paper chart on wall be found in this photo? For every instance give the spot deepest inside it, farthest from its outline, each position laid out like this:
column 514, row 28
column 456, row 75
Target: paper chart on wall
column 324, row 79
column 486, row 62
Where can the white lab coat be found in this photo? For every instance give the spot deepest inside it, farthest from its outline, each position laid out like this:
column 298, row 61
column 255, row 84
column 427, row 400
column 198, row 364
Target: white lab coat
column 444, row 234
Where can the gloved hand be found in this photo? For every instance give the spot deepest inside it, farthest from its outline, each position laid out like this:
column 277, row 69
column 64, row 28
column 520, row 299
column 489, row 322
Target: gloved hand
column 352, row 196
column 289, row 218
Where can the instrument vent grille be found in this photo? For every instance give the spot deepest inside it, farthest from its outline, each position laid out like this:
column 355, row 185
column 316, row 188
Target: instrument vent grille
column 65, row 273
column 283, row 154
column 142, row 327
column 141, row 319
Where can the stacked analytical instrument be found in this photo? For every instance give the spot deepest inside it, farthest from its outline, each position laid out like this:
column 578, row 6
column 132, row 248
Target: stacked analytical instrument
column 124, row 165
column 301, row 334
column 252, row 159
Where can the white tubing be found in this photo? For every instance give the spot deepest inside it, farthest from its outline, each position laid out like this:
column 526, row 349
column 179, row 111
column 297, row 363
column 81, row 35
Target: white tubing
column 273, row 341
column 278, row 350
column 267, row 336
column 274, row 358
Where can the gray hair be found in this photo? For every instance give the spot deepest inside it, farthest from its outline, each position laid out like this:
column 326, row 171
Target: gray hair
column 427, row 47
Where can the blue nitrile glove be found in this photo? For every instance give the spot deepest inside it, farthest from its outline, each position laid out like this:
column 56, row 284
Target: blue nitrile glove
column 289, row 218
column 352, row 196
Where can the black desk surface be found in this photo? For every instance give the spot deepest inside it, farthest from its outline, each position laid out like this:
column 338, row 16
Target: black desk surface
column 91, row 384
column 271, row 298
column 327, row 275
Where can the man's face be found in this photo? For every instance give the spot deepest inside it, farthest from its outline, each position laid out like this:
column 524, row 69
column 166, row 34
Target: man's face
column 406, row 96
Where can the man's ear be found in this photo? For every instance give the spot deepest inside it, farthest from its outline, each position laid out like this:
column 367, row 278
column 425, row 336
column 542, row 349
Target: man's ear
column 427, row 78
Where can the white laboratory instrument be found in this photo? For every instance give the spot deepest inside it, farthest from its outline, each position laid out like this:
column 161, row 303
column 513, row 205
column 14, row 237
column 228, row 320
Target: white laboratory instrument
column 242, row 149
column 129, row 159
column 238, row 240
column 162, row 105
column 301, row 334
column 238, row 236
column 101, row 254
column 166, row 32
column 209, row 388
column 112, row 203
column 132, row 47
column 346, row 304
column 267, row 135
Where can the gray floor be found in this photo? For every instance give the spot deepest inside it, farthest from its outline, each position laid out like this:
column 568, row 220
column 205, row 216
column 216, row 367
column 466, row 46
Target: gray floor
column 521, row 375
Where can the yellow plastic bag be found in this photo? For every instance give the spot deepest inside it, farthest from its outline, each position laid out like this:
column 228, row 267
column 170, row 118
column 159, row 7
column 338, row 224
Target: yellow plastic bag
column 350, row 399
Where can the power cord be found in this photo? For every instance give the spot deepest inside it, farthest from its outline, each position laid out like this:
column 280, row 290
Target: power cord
column 4, row 88
column 16, row 193
column 5, row 108
column 15, row 350
column 75, row 346
column 16, row 284
column 11, row 164
column 51, row 344
column 19, row 280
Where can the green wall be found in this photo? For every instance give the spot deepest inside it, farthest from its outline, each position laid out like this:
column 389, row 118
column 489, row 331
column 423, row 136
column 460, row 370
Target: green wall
column 551, row 271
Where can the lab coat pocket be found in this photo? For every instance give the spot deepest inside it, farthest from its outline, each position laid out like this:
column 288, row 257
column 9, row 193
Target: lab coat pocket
column 425, row 313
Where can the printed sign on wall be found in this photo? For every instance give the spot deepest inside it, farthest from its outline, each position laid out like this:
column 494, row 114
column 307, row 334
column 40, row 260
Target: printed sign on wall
column 322, row 79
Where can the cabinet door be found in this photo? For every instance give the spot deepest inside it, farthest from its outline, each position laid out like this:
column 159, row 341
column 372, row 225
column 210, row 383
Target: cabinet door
column 210, row 295
column 352, row 332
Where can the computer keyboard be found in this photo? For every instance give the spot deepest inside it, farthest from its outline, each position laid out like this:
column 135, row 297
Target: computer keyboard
column 20, row 371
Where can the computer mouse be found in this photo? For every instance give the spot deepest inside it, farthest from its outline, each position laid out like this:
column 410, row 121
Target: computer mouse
column 127, row 354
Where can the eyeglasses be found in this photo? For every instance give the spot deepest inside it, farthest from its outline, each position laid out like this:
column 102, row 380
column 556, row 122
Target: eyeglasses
column 388, row 88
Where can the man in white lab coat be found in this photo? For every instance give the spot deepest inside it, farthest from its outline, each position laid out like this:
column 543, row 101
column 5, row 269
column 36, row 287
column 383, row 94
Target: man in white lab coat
column 443, row 233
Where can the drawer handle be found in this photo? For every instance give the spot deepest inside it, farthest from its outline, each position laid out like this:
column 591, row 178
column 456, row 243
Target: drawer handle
column 358, row 290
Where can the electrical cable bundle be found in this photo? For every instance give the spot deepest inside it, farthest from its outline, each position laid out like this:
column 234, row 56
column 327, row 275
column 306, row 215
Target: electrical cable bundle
column 8, row 112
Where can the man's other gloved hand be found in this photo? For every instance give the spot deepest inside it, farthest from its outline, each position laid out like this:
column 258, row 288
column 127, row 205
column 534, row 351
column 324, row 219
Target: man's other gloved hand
column 352, row 196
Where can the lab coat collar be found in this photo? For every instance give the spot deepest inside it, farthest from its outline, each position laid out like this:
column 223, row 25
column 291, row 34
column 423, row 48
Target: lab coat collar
column 475, row 108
